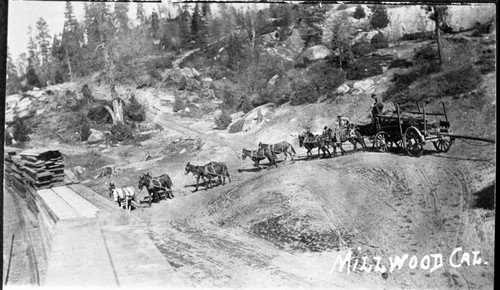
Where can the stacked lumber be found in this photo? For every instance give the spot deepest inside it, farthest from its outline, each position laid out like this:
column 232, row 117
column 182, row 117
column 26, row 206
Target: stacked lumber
column 42, row 169
column 17, row 175
column 8, row 164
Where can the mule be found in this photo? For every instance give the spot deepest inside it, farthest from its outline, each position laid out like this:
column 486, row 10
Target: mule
column 207, row 172
column 311, row 141
column 347, row 133
column 257, row 155
column 122, row 194
column 278, row 148
column 155, row 185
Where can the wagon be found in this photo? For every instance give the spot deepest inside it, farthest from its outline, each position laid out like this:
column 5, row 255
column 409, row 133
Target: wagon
column 411, row 130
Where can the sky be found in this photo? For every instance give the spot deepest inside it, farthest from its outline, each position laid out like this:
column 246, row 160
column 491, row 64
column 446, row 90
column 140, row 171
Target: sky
column 25, row 13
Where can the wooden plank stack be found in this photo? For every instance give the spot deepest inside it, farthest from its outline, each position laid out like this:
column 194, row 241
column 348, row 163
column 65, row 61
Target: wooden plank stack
column 42, row 169
column 16, row 175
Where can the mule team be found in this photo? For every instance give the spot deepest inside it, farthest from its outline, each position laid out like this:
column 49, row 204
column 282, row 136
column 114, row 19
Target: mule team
column 155, row 186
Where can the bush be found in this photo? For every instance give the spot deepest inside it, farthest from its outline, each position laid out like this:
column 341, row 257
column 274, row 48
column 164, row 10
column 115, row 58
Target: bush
column 178, row 104
column 229, row 100
column 379, row 19
column 237, row 127
column 245, row 106
column 486, row 61
column 379, row 41
column 325, row 78
column 87, row 93
column 425, row 53
column 161, row 63
column 134, row 110
column 99, row 114
column 363, row 69
column 21, row 130
column 461, row 80
column 154, row 73
column 359, row 12
column 303, row 93
column 361, row 48
column 121, row 132
column 223, row 120
column 418, row 36
column 84, row 132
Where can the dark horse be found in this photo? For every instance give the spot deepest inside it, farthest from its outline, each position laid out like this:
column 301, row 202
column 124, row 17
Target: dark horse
column 278, row 148
column 347, row 133
column 258, row 155
column 156, row 184
column 368, row 130
column 311, row 141
column 212, row 169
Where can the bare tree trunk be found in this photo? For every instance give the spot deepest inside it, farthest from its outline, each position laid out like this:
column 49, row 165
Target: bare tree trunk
column 69, row 65
column 118, row 109
column 438, row 34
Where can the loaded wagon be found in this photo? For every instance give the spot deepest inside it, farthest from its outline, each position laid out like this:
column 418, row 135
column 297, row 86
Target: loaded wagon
column 411, row 130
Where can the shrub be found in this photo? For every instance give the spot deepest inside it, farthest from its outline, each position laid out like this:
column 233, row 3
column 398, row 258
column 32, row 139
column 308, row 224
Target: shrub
column 134, row 110
column 461, row 80
column 359, row 12
column 425, row 53
column 361, row 48
column 99, row 114
column 87, row 93
column 121, row 132
column 363, row 69
column 237, row 127
column 486, row 61
column 246, row 106
column 223, row 120
column 84, row 131
column 379, row 41
column 178, row 104
column 161, row 63
column 154, row 73
column 325, row 78
column 303, row 93
column 418, row 36
column 379, row 19
column 229, row 99
column 21, row 130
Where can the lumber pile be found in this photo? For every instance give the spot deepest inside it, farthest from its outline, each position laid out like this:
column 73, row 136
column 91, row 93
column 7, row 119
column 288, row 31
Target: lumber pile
column 14, row 173
column 42, row 169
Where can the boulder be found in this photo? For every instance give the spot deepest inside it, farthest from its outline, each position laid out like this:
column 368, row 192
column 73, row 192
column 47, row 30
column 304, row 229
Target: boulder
column 255, row 99
column 78, row 170
column 363, row 85
column 95, row 135
column 343, row 89
column 272, row 81
column 187, row 72
column 195, row 72
column 314, row 53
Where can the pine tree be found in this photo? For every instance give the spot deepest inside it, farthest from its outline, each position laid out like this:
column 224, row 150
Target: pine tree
column 379, row 19
column 359, row 12
column 183, row 20
column 33, row 58
column 140, row 13
column 196, row 24
column 69, row 52
column 11, row 67
column 121, row 17
column 309, row 19
column 43, row 40
column 155, row 24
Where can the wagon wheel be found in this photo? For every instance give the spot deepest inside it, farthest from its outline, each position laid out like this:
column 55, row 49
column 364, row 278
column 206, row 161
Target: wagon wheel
column 381, row 141
column 414, row 142
column 442, row 144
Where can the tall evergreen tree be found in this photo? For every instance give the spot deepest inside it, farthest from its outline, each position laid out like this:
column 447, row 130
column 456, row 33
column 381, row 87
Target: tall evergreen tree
column 68, row 49
column 140, row 13
column 11, row 67
column 379, row 19
column 196, row 25
column 121, row 17
column 43, row 40
column 33, row 58
column 438, row 15
column 309, row 19
column 359, row 12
